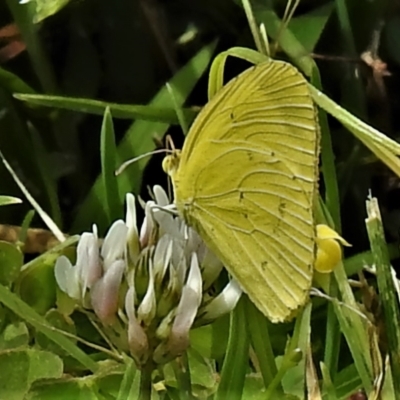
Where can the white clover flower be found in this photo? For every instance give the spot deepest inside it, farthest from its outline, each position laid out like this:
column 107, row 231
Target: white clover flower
column 76, row 279
column 99, row 270
column 165, row 276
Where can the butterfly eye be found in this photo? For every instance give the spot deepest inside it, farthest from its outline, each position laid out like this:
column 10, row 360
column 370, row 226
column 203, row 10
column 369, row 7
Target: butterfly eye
column 170, row 163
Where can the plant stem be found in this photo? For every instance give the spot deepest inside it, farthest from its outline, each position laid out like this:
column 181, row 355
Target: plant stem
column 145, row 381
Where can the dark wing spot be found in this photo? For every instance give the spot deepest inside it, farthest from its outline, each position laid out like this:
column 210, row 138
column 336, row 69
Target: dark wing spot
column 264, row 265
column 281, row 207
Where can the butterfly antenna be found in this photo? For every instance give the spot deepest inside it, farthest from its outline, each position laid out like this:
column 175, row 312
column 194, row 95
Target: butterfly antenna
column 170, row 143
column 138, row 158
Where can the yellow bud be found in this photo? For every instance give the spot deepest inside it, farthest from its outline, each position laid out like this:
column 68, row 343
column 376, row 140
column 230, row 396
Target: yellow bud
column 329, row 252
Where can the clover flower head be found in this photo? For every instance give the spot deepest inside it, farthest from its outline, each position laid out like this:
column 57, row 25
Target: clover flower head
column 156, row 281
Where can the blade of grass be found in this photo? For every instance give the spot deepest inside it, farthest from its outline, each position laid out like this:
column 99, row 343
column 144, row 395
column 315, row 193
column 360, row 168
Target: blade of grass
column 387, row 290
column 98, row 107
column 382, row 146
column 216, row 76
column 235, row 363
column 329, row 387
column 333, row 335
column 108, row 150
column 13, row 84
column 45, row 217
column 253, row 27
column 7, row 200
column 178, row 110
column 355, row 263
column 347, row 382
column 23, row 15
column 355, row 330
column 260, row 341
column 127, row 386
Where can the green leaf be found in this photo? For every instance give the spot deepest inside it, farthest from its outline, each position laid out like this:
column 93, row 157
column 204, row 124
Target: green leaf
column 14, row 303
column 11, row 260
column 315, row 22
column 20, row 368
column 14, row 335
column 78, row 389
column 37, row 287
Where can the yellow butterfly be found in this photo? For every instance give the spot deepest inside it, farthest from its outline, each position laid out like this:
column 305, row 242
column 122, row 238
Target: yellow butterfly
column 246, row 180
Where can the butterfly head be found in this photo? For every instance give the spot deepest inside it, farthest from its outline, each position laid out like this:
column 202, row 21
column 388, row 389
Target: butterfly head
column 171, row 162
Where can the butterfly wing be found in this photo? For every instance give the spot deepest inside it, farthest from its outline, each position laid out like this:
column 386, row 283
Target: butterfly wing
column 247, row 180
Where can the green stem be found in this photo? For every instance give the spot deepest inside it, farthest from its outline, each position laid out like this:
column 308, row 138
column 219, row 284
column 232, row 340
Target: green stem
column 145, row 381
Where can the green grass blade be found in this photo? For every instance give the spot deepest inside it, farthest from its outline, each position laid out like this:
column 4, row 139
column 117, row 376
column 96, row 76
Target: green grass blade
column 387, row 290
column 382, row 146
column 354, row 328
column 236, row 359
column 98, row 107
column 216, row 76
column 332, row 337
column 45, row 217
column 127, row 384
column 260, row 341
column 23, row 15
column 253, row 26
column 13, row 84
column 108, row 154
column 329, row 387
column 183, row 122
column 356, row 263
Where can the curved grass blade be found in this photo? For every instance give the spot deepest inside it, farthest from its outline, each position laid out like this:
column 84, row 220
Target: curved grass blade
column 98, row 107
